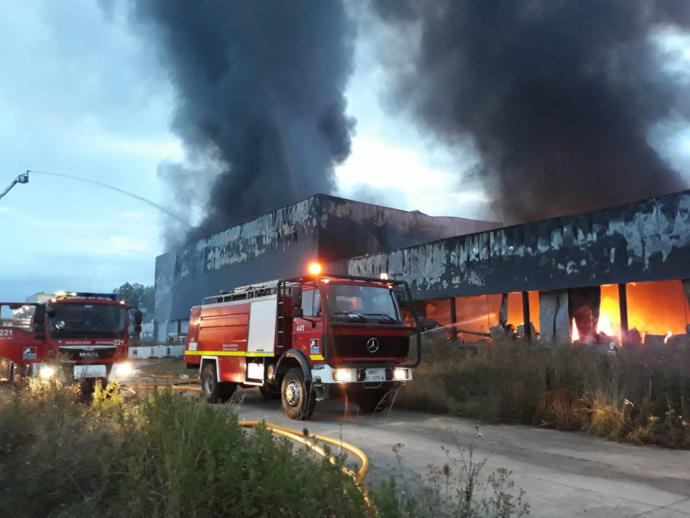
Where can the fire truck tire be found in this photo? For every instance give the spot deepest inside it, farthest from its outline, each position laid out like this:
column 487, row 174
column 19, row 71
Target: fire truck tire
column 371, row 400
column 214, row 390
column 298, row 400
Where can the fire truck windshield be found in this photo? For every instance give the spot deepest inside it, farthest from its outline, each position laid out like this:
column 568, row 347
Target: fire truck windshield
column 77, row 320
column 362, row 303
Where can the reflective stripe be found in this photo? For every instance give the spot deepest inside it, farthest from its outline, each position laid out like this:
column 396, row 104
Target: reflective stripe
column 316, row 356
column 228, row 353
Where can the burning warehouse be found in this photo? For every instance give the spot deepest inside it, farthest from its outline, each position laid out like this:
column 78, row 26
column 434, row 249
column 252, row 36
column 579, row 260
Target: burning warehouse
column 616, row 275
column 561, row 117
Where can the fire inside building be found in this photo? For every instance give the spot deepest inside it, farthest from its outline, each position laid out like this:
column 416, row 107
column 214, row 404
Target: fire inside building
column 615, row 276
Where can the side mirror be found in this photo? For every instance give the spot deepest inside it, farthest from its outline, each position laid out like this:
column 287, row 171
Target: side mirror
column 137, row 328
column 297, row 312
column 138, row 318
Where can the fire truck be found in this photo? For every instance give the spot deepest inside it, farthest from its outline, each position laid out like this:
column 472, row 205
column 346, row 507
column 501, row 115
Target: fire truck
column 300, row 339
column 71, row 335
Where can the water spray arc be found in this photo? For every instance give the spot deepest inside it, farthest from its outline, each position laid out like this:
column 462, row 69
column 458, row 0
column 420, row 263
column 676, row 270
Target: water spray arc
column 25, row 178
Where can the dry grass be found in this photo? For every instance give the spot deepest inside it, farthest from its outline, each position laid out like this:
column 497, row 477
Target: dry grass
column 637, row 395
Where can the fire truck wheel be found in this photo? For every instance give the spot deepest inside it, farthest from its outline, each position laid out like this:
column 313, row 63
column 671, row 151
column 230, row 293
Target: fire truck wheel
column 371, row 400
column 215, row 391
column 298, row 401
column 269, row 392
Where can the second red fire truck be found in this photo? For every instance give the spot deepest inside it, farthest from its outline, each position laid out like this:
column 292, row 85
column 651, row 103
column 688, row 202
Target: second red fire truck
column 300, row 339
column 72, row 335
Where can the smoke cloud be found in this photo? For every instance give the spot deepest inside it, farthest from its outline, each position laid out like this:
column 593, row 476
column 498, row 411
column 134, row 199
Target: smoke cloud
column 260, row 99
column 557, row 97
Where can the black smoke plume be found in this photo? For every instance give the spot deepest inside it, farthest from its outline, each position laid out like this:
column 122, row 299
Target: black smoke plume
column 259, row 88
column 557, row 96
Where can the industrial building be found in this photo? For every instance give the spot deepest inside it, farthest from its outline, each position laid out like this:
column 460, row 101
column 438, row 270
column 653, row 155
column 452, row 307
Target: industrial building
column 619, row 274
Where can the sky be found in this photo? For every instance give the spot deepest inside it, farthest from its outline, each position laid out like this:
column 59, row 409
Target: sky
column 84, row 95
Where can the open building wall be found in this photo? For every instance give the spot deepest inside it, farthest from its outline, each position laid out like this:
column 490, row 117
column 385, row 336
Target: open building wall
column 603, row 272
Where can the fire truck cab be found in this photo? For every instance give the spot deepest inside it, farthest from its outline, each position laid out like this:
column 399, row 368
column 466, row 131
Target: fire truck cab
column 303, row 338
column 72, row 335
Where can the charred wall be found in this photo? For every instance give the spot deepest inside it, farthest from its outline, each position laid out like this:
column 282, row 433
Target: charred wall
column 349, row 228
column 281, row 243
column 268, row 247
column 644, row 241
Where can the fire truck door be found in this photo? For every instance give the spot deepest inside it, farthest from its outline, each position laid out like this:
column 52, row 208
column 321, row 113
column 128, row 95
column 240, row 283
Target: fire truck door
column 262, row 326
column 308, row 330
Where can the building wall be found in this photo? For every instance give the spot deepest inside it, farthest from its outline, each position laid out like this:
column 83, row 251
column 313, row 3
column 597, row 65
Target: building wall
column 272, row 246
column 350, row 228
column 644, row 241
column 282, row 243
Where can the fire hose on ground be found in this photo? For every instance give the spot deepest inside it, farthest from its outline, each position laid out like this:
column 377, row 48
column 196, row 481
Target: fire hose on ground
column 308, row 440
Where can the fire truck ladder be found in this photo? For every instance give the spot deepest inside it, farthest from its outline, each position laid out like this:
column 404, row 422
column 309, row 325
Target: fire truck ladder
column 243, row 293
column 284, row 292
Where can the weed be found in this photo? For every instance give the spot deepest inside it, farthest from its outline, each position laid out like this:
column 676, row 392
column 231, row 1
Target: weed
column 456, row 489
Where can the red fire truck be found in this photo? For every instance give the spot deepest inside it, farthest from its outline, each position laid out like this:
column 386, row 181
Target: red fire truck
column 300, row 338
column 75, row 336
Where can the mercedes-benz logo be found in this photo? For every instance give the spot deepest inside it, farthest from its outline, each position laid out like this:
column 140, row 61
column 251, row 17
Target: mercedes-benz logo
column 373, row 345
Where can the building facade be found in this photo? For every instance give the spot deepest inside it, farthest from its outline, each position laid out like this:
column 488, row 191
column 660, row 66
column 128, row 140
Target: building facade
column 619, row 274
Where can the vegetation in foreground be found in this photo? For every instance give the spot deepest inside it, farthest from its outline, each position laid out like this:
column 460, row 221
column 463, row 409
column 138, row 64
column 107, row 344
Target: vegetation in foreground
column 166, row 456
column 173, row 456
column 637, row 395
column 455, row 490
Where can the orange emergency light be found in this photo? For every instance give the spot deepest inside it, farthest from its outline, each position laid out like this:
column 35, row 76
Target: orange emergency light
column 314, row 268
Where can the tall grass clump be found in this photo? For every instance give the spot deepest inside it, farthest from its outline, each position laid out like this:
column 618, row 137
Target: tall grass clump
column 458, row 489
column 640, row 395
column 166, row 456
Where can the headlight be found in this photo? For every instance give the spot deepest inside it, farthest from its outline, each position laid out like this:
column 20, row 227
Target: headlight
column 342, row 375
column 400, row 374
column 46, row 372
column 123, row 370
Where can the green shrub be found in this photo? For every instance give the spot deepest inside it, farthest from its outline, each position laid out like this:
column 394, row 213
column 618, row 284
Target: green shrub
column 166, row 456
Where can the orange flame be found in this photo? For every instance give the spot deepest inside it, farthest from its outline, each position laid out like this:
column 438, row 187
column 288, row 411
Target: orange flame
column 574, row 334
column 604, row 326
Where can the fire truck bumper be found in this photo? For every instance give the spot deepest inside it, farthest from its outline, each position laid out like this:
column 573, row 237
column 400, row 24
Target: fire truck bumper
column 327, row 375
column 89, row 371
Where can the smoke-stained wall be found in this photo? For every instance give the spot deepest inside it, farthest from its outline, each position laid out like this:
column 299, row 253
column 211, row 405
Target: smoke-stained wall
column 644, row 241
column 350, row 228
column 282, row 243
column 268, row 247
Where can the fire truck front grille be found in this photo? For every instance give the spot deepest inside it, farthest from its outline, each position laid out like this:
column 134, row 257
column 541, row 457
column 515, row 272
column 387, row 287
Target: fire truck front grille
column 361, row 346
column 87, row 354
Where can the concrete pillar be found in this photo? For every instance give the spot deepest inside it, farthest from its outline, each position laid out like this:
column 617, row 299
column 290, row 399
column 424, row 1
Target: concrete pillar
column 554, row 324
